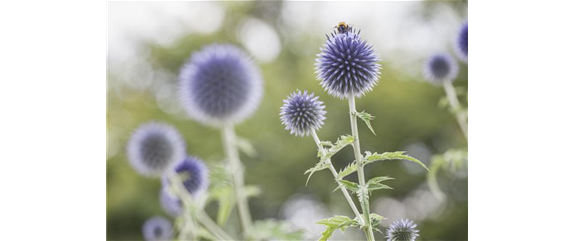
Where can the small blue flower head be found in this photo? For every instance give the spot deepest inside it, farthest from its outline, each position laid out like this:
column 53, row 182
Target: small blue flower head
column 220, row 84
column 170, row 203
column 462, row 42
column 441, row 68
column 155, row 147
column 402, row 230
column 347, row 65
column 302, row 113
column 194, row 174
column 157, row 228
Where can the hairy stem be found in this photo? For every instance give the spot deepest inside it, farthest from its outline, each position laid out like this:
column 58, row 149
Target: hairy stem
column 455, row 105
column 336, row 174
column 360, row 164
column 236, row 168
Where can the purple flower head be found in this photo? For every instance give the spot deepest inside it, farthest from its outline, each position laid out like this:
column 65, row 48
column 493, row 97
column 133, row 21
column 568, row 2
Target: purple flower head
column 440, row 68
column 462, row 42
column 402, row 230
column 194, row 174
column 220, row 84
column 302, row 113
column 347, row 65
column 155, row 147
column 157, row 228
column 170, row 203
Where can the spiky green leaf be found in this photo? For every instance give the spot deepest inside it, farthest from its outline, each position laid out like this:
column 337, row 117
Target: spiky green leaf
column 334, row 223
column 347, row 184
column 398, row 155
column 366, row 117
column 324, row 163
column 347, row 170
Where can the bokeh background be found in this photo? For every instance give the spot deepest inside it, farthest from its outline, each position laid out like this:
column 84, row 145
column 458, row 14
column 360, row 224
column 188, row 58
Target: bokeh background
column 149, row 41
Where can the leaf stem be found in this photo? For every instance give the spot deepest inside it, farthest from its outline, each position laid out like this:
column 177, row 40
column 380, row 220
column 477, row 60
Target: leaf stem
column 229, row 142
column 336, row 174
column 455, row 105
column 360, row 172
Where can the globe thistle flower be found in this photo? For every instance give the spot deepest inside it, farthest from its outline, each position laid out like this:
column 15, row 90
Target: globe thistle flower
column 402, row 230
column 220, row 84
column 157, row 228
column 170, row 203
column 462, row 42
column 440, row 68
column 194, row 174
column 155, row 147
column 347, row 65
column 302, row 113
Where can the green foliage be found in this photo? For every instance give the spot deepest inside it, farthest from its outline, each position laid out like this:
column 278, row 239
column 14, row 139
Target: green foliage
column 347, row 170
column 348, row 184
column 373, row 157
column 324, row 163
column 375, row 183
column 366, row 117
column 245, row 146
column 376, row 221
column 334, row 223
column 274, row 230
column 221, row 191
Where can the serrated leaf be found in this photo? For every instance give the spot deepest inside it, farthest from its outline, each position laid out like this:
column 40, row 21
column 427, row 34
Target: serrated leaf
column 245, row 146
column 377, row 186
column 318, row 167
column 348, row 170
column 376, row 220
column 347, row 184
column 334, row 223
column 366, row 117
column 343, row 141
column 379, row 179
column 372, row 157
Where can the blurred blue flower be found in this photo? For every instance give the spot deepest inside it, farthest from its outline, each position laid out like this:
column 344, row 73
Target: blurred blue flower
column 220, row 84
column 170, row 203
column 157, row 228
column 302, row 113
column 402, row 230
column 462, row 42
column 194, row 174
column 440, row 68
column 347, row 65
column 155, row 147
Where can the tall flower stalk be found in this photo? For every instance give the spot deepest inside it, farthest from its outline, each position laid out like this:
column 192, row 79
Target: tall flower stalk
column 360, row 167
column 237, row 171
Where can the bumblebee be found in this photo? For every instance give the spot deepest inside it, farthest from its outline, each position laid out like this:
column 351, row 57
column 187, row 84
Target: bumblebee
column 343, row 27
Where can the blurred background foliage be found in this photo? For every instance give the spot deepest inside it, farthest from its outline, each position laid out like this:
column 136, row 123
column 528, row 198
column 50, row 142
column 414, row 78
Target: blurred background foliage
column 149, row 42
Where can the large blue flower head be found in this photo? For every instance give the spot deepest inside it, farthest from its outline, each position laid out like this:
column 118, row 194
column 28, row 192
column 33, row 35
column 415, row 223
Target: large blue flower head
column 170, row 203
column 347, row 65
column 157, row 228
column 402, row 230
column 462, row 42
column 155, row 147
column 220, row 84
column 440, row 68
column 302, row 113
column 194, row 174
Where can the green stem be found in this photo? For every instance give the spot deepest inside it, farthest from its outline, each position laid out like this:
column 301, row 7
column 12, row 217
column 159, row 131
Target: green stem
column 360, row 165
column 336, row 175
column 229, row 143
column 202, row 217
column 455, row 105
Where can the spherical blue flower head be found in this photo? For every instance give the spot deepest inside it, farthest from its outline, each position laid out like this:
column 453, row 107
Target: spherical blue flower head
column 157, row 228
column 220, row 84
column 402, row 230
column 462, row 42
column 441, row 68
column 155, row 147
column 195, row 175
column 347, row 65
column 170, row 203
column 302, row 113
